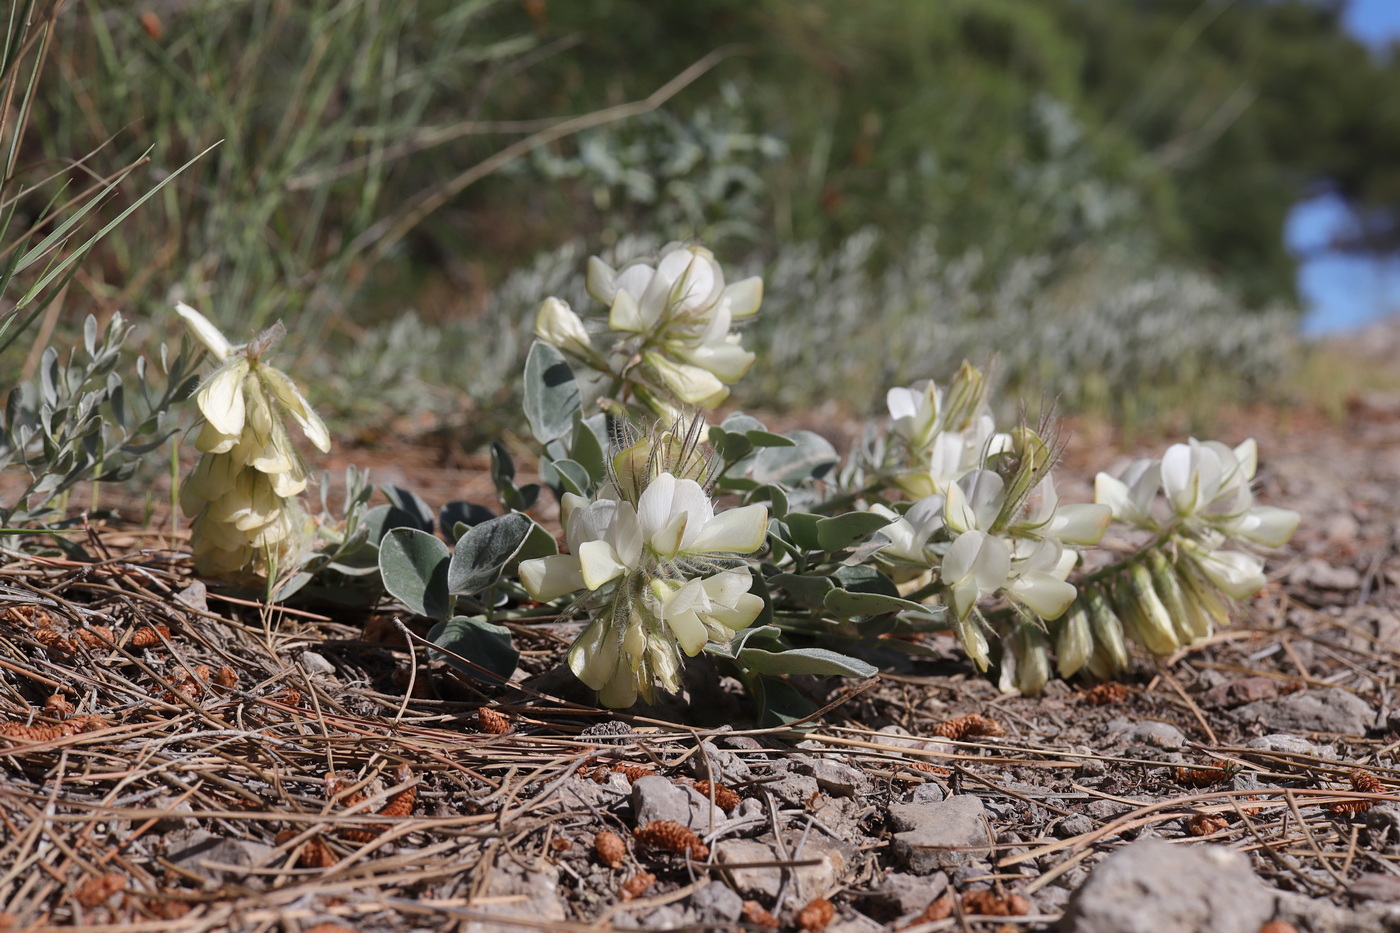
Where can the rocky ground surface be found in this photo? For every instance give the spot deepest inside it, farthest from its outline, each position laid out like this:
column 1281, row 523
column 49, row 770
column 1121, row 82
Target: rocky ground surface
column 173, row 759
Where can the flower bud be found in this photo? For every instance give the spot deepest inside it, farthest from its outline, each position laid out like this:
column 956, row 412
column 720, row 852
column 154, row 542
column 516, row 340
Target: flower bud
column 1191, row 625
column 1108, row 633
column 1025, row 661
column 557, row 324
column 1143, row 612
column 1074, row 640
column 965, row 398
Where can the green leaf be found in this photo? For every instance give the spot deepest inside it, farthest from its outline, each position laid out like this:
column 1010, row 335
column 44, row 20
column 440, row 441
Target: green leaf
column 481, row 553
column 421, row 514
column 804, row 661
column 462, row 513
column 740, row 423
column 480, row 649
column 775, row 497
column 840, row 531
column 538, row 543
column 413, row 565
column 808, row 591
column 589, row 444
column 811, row 456
column 802, row 530
column 567, row 476
column 848, row 605
column 859, row 578
column 768, row 439
column 779, row 702
column 551, row 393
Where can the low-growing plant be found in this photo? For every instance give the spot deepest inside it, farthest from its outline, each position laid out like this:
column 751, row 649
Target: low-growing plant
column 939, row 520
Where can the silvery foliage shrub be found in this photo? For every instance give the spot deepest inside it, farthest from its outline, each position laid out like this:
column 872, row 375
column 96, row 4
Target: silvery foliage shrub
column 700, row 175
column 1088, row 336
column 82, row 419
column 941, row 520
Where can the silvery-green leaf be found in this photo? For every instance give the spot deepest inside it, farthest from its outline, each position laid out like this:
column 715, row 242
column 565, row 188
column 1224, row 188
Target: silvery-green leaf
column 841, row 531
column 464, row 513
column 480, row 649
column 551, row 393
column 413, row 565
column 806, row 590
column 412, row 504
column 811, row 456
column 804, row 661
column 847, row 605
column 481, row 553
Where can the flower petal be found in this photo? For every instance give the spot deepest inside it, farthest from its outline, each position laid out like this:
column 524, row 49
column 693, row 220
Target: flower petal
column 737, row 531
column 205, row 331
column 599, row 564
column 220, row 399
column 548, row 578
column 744, row 296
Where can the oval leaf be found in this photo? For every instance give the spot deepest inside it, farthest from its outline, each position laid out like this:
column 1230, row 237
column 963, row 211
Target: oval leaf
column 841, row 531
column 413, row 565
column 804, row 661
column 551, row 393
column 480, row 649
column 848, row 605
column 481, row 553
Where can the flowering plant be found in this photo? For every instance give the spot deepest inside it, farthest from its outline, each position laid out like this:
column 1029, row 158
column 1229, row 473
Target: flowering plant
column 760, row 549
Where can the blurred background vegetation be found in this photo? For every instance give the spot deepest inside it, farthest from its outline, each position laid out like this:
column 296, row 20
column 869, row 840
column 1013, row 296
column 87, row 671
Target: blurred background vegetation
column 1092, row 192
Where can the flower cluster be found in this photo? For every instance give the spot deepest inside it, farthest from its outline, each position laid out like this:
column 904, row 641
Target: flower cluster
column 652, row 552
column 1194, row 502
column 242, row 493
column 670, row 320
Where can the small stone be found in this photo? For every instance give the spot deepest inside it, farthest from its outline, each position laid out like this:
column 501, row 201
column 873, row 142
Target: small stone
column 1240, row 691
column 792, row 789
column 1071, row 826
column 835, row 777
column 937, row 831
column 899, row 895
column 1293, row 744
column 713, row 763
column 927, row 793
column 316, row 664
column 717, row 903
column 516, row 892
column 1375, row 887
column 195, row 596
column 858, row 923
column 1329, row 710
column 655, row 798
column 757, row 883
column 1155, row 887
column 204, row 851
column 1323, row 576
column 1161, row 735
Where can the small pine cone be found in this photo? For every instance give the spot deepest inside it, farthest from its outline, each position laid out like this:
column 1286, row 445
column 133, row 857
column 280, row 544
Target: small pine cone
column 491, row 721
column 226, row 678
column 401, row 803
column 1204, row 824
column 292, row 697
column 637, row 885
column 561, row 844
column 58, row 705
column 1202, row 777
column 80, row 724
column 97, row 890
column 670, row 836
column 55, row 643
column 632, row 772
column 165, row 909
column 1366, row 782
column 816, row 915
column 725, row 798
column 335, row 790
column 1349, row 807
column 39, row 732
column 925, row 767
column 148, row 636
column 970, row 725
column 27, row 615
column 755, row 915
column 1104, row 694
column 939, row 909
column 610, row 849
column 988, row 903
column 328, row 927
column 97, row 637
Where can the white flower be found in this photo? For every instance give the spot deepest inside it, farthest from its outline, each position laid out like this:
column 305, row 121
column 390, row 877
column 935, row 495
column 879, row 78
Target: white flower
column 557, row 324
column 1235, row 573
column 1076, row 524
column 205, row 331
column 914, row 413
column 1208, row 477
column 909, row 533
column 1130, row 496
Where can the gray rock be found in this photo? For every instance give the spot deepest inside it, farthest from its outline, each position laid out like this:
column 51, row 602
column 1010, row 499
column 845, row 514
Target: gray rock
column 196, row 596
column 316, row 663
column 927, row 793
column 1376, row 887
column 1323, row 916
column 936, row 831
column 513, row 891
column 1293, row 744
column 1327, row 710
column 823, row 877
column 899, row 737
column 1075, row 825
column 657, row 798
column 1155, row 887
column 792, row 790
column 899, row 895
column 835, row 777
column 1161, row 735
column 1322, row 575
column 220, row 859
column 760, row 881
column 717, row 902
column 713, row 763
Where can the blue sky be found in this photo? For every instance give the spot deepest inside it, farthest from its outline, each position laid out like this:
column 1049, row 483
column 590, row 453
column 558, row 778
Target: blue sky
column 1344, row 292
